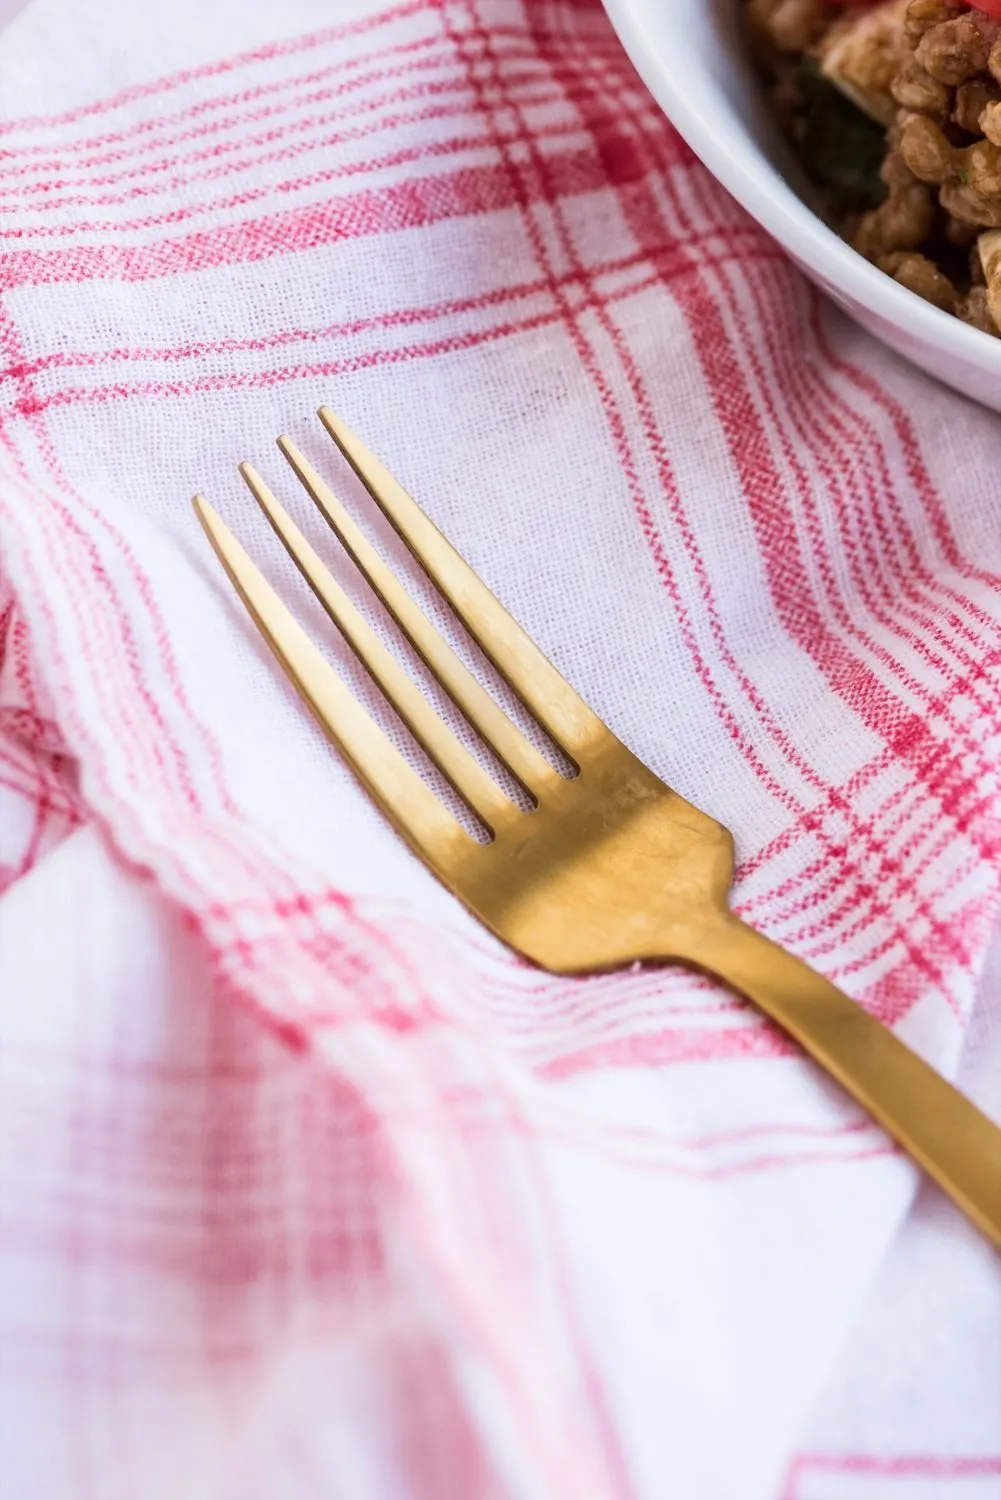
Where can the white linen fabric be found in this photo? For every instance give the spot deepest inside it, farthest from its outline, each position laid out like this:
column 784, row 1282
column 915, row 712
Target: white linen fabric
column 311, row 1188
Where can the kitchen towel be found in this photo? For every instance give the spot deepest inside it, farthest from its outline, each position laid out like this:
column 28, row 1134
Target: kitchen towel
column 310, row 1189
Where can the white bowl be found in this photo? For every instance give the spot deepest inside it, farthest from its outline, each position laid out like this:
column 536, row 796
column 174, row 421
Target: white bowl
column 691, row 56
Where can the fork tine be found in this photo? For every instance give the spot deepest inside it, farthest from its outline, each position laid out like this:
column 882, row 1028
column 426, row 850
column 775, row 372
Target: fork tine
column 451, row 757
column 410, row 805
column 487, row 718
column 547, row 695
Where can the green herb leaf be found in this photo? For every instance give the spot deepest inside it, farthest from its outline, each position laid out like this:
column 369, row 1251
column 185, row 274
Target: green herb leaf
column 842, row 149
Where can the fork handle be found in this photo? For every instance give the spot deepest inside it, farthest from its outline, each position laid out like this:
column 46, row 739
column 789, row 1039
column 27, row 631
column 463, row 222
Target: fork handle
column 957, row 1145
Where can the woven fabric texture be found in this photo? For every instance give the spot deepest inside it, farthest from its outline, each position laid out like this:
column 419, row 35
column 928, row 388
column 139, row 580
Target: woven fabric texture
column 310, row 1188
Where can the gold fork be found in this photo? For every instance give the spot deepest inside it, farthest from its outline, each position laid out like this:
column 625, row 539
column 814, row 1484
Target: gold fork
column 608, row 867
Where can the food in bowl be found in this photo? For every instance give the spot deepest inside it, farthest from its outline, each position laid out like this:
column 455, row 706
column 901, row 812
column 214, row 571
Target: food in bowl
column 894, row 109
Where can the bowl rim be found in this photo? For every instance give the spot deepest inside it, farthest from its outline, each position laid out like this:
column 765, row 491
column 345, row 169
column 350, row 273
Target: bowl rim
column 774, row 204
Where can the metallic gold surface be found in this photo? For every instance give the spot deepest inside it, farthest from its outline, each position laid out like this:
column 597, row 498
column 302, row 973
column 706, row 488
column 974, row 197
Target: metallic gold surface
column 610, row 866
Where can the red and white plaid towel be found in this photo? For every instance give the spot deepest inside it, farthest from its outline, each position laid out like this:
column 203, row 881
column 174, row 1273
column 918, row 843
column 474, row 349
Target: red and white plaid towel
column 310, row 1188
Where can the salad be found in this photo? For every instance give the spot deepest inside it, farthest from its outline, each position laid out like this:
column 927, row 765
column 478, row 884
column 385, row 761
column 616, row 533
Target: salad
column 894, row 108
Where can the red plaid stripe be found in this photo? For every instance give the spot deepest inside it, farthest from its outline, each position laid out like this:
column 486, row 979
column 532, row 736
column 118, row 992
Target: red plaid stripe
column 522, row 129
